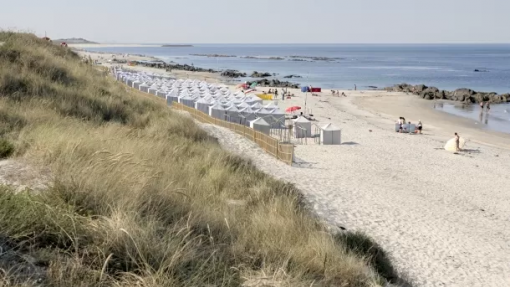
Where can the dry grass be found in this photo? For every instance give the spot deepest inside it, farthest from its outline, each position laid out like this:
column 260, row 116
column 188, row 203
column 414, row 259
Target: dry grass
column 142, row 196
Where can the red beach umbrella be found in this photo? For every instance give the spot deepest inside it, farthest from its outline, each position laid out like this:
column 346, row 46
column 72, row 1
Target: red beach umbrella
column 292, row 109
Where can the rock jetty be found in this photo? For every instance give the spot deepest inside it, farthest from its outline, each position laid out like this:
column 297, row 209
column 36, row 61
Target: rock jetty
column 292, row 76
column 460, row 95
column 214, row 55
column 233, row 74
column 277, row 83
column 256, row 74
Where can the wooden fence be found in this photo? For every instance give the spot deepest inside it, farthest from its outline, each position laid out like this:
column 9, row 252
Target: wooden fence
column 283, row 152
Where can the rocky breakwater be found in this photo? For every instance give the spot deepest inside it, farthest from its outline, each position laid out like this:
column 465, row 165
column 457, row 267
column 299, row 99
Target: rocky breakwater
column 233, row 74
column 277, row 83
column 256, row 74
column 190, row 68
column 460, row 95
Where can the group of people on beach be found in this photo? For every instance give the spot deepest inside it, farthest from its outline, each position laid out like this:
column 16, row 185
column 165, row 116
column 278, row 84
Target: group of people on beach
column 402, row 128
column 337, row 93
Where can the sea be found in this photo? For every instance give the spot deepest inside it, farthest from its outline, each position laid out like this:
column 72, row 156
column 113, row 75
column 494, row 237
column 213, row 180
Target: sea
column 342, row 66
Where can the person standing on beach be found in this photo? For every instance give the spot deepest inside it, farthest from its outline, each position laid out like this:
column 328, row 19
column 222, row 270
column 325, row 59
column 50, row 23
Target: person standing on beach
column 488, row 106
column 420, row 126
column 355, row 88
column 481, row 105
column 457, row 142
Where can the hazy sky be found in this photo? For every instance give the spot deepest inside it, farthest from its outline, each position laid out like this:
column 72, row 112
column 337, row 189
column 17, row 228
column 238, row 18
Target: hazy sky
column 263, row 21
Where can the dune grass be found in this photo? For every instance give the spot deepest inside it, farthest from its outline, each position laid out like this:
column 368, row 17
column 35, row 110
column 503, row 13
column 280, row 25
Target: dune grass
column 143, row 197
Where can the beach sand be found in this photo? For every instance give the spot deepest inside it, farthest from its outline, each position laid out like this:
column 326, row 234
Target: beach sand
column 443, row 217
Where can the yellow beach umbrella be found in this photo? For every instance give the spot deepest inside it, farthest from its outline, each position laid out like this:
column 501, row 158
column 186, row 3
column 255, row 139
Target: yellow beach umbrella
column 451, row 145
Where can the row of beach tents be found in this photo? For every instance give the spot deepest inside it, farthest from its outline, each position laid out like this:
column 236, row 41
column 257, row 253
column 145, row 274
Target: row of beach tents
column 215, row 100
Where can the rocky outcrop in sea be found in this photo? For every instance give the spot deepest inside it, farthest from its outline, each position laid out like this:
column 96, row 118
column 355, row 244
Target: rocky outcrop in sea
column 256, row 74
column 277, row 83
column 233, row 74
column 461, row 95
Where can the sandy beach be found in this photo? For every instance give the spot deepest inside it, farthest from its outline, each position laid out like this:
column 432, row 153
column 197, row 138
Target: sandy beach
column 442, row 216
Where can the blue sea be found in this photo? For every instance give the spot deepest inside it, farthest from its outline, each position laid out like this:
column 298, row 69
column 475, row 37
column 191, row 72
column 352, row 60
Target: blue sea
column 444, row 66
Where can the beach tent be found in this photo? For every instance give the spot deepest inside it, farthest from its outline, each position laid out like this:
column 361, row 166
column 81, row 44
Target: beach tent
column 270, row 106
column 153, row 90
column 136, row 84
column 451, row 144
column 161, row 93
column 330, row 135
column 302, row 127
column 257, row 106
column 187, row 101
column 247, row 115
column 144, row 88
column 243, row 105
column 278, row 119
column 260, row 125
column 171, row 97
column 203, row 105
column 217, row 111
column 233, row 114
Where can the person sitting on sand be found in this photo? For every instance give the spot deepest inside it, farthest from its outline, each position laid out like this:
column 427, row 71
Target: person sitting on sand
column 457, row 142
column 419, row 126
column 343, row 94
column 270, row 91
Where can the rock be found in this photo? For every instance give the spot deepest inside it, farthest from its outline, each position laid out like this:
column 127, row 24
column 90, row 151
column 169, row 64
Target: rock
column 429, row 93
column 189, row 68
column 418, row 89
column 292, row 76
column 233, row 74
column 462, row 94
column 256, row 74
column 277, row 83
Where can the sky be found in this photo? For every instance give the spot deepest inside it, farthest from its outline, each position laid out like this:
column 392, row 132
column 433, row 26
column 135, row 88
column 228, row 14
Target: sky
column 263, row 21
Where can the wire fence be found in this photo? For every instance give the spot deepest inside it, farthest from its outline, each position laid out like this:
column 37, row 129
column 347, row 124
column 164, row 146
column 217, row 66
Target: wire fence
column 279, row 150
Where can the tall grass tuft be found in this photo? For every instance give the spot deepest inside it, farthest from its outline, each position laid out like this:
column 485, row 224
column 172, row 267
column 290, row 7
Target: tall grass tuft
column 144, row 197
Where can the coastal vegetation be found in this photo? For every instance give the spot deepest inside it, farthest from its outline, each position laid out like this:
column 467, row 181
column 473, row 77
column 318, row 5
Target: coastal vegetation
column 141, row 196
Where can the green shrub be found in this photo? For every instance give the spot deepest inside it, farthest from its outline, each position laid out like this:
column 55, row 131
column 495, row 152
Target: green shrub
column 6, row 148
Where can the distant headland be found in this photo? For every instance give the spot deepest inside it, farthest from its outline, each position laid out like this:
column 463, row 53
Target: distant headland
column 74, row 41
column 175, row 46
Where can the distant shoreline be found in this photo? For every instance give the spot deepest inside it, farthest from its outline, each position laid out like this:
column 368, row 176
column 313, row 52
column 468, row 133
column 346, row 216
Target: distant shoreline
column 176, row 46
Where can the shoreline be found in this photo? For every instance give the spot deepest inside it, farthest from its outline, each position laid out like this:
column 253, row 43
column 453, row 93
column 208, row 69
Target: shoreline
column 440, row 118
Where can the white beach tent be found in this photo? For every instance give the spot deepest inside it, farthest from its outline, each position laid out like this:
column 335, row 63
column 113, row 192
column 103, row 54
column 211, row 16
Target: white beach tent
column 260, row 125
column 171, row 97
column 217, row 111
column 233, row 114
column 330, row 135
column 257, row 106
column 278, row 119
column 302, row 127
column 203, row 105
column 144, row 88
column 136, row 84
column 161, row 93
column 247, row 115
column 187, row 101
column 266, row 114
column 153, row 90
